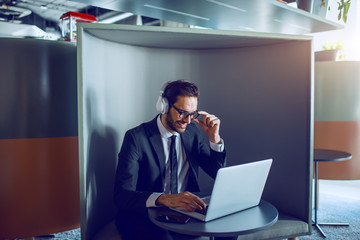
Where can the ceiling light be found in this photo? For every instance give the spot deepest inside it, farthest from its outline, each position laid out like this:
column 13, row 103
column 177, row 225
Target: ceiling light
column 176, row 12
column 247, row 28
column 292, row 25
column 227, row 5
column 116, row 18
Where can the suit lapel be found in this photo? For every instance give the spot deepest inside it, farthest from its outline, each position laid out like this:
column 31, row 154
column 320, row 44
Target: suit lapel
column 187, row 140
column 155, row 140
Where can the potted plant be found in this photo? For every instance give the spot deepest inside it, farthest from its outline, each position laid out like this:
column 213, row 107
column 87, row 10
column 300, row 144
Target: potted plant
column 332, row 51
column 320, row 7
column 317, row 7
column 343, row 7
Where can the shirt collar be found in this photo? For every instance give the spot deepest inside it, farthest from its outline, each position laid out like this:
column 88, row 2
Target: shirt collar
column 163, row 131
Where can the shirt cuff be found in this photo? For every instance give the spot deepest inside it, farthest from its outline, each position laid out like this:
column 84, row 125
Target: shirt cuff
column 217, row 147
column 150, row 202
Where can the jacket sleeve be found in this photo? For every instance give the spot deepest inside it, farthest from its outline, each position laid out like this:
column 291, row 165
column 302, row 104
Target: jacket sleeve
column 209, row 160
column 126, row 195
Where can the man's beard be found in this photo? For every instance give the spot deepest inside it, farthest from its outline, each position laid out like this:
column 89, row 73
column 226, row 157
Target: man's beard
column 172, row 124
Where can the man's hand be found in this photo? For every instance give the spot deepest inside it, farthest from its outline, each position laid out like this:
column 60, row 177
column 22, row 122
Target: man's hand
column 211, row 125
column 184, row 201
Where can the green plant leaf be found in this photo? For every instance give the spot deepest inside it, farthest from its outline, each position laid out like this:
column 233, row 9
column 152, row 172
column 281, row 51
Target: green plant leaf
column 344, row 18
column 346, row 10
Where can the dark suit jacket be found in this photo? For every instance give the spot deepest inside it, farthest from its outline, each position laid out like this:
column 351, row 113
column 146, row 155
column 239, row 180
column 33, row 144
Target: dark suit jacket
column 141, row 165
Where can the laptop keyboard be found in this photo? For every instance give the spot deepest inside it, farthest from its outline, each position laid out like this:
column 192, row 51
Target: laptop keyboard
column 206, row 201
column 202, row 211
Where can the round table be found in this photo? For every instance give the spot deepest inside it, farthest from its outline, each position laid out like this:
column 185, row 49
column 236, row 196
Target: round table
column 244, row 222
column 325, row 155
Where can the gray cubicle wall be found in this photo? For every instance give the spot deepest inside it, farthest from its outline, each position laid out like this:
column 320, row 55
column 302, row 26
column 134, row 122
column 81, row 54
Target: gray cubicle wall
column 39, row 171
column 260, row 85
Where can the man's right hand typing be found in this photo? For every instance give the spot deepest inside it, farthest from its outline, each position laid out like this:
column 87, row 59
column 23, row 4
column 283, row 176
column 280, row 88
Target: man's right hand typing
column 185, row 201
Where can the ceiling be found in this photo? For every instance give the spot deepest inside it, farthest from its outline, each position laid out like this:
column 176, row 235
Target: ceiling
column 48, row 12
column 42, row 16
column 241, row 15
column 50, row 9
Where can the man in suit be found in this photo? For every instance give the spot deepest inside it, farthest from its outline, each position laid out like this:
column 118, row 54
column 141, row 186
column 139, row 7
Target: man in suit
column 157, row 169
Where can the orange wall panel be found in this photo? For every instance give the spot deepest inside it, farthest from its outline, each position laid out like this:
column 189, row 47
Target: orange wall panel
column 39, row 186
column 343, row 136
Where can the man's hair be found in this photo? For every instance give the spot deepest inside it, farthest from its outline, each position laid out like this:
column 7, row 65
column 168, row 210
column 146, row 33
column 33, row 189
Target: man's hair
column 180, row 88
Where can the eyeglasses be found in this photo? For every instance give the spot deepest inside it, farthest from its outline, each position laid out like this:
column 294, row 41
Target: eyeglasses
column 184, row 114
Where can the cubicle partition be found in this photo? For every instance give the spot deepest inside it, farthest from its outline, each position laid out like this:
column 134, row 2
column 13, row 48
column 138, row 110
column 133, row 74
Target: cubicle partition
column 39, row 170
column 259, row 85
column 337, row 116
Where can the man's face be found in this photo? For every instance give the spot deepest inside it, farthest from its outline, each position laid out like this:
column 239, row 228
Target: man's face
column 183, row 103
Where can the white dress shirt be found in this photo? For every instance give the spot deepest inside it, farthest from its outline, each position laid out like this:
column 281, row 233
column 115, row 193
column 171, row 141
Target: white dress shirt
column 183, row 164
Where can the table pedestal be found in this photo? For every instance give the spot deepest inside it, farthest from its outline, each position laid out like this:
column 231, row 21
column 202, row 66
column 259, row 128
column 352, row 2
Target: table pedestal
column 322, row 155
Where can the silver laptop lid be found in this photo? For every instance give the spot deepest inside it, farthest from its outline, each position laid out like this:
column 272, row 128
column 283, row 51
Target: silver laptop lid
column 237, row 188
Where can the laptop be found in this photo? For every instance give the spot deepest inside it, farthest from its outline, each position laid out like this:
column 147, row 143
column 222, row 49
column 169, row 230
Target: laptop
column 236, row 188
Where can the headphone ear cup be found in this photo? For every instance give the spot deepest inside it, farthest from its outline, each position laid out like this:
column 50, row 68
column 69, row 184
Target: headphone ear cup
column 162, row 105
column 165, row 103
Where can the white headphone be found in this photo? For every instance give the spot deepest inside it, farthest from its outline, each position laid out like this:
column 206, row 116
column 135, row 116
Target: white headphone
column 162, row 104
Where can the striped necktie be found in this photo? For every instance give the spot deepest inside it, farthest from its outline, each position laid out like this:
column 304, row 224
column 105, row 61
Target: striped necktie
column 173, row 166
